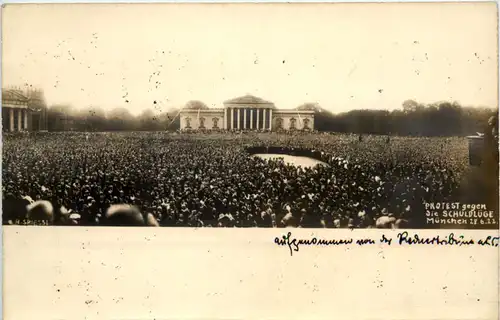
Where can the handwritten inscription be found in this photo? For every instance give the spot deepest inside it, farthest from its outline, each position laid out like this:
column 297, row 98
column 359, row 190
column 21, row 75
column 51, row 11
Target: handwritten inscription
column 457, row 213
column 402, row 239
column 405, row 238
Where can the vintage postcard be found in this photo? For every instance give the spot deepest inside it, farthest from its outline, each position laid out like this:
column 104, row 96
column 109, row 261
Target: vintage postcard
column 249, row 116
column 232, row 126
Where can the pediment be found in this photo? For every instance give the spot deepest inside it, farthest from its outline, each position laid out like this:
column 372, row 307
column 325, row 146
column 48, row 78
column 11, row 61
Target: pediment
column 249, row 100
column 13, row 95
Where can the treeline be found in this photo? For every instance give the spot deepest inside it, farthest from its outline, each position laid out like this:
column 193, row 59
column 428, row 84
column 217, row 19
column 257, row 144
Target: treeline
column 413, row 119
column 64, row 118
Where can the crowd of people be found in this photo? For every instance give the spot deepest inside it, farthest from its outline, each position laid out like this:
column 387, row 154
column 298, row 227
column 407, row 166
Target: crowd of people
column 210, row 180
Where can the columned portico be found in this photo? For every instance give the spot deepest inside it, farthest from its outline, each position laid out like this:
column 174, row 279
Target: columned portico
column 243, row 118
column 15, row 119
column 252, row 113
column 23, row 110
column 248, row 113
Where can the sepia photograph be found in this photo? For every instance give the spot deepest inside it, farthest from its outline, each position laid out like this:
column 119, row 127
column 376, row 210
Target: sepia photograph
column 351, row 117
column 191, row 161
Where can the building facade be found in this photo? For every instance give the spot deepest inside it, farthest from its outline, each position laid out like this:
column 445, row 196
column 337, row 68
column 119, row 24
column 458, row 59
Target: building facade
column 23, row 110
column 246, row 113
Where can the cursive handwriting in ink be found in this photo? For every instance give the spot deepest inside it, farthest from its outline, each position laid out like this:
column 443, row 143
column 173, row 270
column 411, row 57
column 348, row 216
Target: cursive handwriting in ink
column 286, row 241
column 364, row 241
column 486, row 242
column 293, row 244
column 386, row 240
column 405, row 238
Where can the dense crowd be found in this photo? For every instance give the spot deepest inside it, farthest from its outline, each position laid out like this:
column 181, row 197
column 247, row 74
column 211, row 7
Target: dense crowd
column 177, row 179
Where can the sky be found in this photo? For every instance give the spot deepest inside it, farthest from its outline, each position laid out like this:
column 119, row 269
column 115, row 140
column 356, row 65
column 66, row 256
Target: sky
column 342, row 56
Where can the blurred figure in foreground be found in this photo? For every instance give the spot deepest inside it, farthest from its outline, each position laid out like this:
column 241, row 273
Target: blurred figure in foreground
column 41, row 210
column 127, row 215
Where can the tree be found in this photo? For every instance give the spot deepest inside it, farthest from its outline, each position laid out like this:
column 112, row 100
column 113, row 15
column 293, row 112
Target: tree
column 324, row 120
column 60, row 117
column 170, row 120
column 310, row 106
column 92, row 119
column 414, row 119
column 148, row 121
column 410, row 105
column 195, row 105
column 120, row 119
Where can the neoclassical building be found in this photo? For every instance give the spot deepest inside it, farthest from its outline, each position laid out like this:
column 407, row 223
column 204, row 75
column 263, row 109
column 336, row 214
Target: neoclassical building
column 246, row 113
column 23, row 110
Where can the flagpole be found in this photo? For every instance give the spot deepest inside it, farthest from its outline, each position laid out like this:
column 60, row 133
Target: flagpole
column 175, row 117
column 300, row 118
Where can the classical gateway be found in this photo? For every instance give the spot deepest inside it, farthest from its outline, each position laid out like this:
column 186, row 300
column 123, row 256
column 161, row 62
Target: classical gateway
column 23, row 110
column 246, row 113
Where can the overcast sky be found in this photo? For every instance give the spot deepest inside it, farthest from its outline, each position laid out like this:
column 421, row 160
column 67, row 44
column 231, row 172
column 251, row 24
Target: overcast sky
column 342, row 56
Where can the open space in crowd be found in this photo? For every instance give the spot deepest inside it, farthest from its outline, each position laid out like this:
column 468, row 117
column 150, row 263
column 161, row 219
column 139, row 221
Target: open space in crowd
column 210, row 180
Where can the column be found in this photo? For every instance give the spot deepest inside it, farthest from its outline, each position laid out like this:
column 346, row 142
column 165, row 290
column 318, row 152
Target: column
column 244, row 118
column 257, row 123
column 251, row 118
column 19, row 120
column 265, row 118
column 270, row 119
column 238, row 122
column 11, row 119
column 263, row 114
column 26, row 120
column 232, row 118
column 224, row 124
